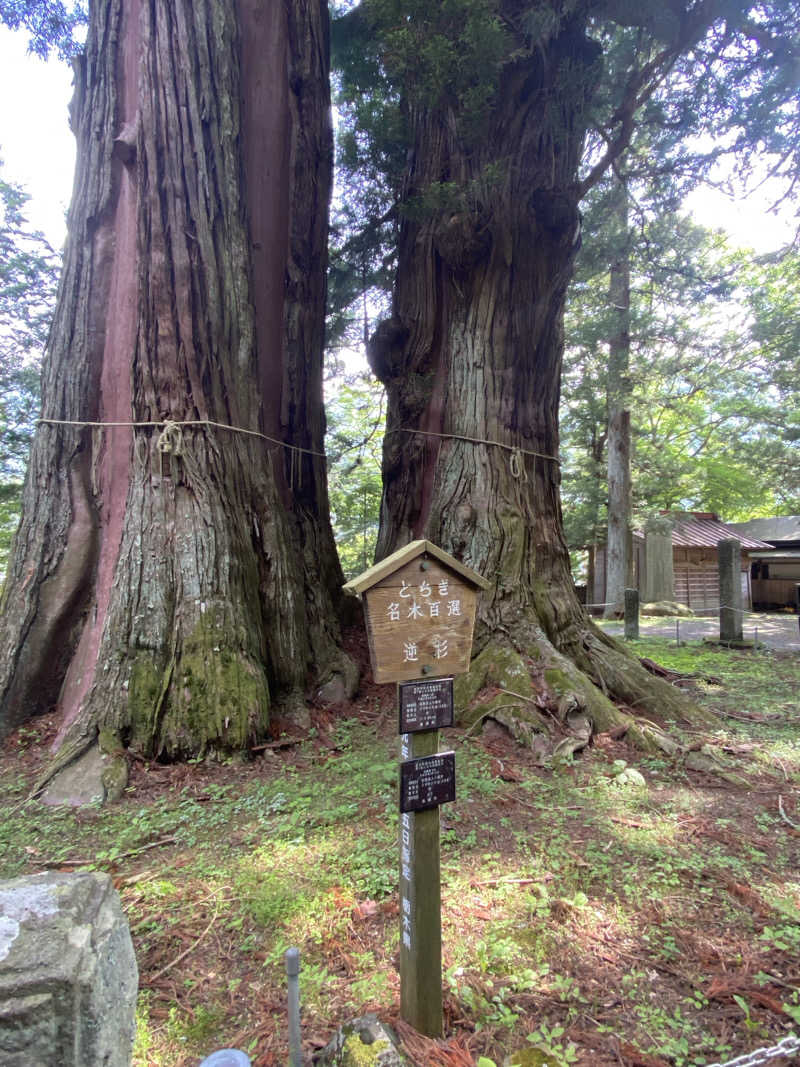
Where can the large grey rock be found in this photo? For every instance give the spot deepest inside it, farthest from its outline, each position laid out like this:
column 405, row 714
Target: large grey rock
column 341, row 686
column 667, row 608
column 93, row 778
column 363, row 1042
column 68, row 976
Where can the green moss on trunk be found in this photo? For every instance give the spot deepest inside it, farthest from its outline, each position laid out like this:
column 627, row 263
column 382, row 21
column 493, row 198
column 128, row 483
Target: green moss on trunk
column 210, row 697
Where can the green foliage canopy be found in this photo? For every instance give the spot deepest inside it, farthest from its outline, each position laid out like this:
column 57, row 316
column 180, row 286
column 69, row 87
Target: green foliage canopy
column 50, row 24
column 29, row 271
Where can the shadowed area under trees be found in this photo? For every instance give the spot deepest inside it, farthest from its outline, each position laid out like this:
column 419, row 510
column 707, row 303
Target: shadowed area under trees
column 174, row 579
column 490, row 105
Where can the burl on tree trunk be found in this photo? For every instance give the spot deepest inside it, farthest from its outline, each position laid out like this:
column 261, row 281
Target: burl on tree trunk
column 471, row 359
column 170, row 585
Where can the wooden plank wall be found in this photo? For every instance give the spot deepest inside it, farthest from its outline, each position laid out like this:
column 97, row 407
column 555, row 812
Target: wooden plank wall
column 775, row 591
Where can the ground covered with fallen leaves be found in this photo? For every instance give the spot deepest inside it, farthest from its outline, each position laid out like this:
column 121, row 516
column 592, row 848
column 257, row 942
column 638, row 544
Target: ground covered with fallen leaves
column 584, row 915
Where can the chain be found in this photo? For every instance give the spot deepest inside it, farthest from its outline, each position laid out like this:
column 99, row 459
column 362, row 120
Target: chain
column 790, row 1046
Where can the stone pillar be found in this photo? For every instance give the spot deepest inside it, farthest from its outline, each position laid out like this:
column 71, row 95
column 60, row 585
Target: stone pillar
column 659, row 573
column 68, row 977
column 631, row 614
column 730, row 590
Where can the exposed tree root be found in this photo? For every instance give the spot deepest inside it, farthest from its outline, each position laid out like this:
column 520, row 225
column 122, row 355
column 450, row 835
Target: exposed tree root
column 539, row 694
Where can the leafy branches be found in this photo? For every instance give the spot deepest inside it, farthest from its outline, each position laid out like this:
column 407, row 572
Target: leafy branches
column 354, row 443
column 50, row 24
column 28, row 277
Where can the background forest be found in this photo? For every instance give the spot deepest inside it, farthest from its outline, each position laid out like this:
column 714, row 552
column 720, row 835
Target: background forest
column 509, row 231
column 712, row 382
column 713, row 357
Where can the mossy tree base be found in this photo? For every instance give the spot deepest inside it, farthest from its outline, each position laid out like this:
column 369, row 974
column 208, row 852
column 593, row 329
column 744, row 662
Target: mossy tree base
column 538, row 692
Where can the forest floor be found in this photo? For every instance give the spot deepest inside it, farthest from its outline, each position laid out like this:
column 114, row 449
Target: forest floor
column 601, row 923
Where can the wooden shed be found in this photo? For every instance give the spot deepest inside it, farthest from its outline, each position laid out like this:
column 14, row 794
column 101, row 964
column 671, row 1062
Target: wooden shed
column 695, row 536
column 774, row 568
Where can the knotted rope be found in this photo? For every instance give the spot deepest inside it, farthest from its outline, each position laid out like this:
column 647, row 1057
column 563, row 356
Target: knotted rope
column 516, row 463
column 170, row 439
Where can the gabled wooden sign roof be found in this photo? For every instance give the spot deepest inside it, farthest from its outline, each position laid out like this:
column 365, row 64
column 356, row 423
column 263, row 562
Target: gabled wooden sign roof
column 404, row 555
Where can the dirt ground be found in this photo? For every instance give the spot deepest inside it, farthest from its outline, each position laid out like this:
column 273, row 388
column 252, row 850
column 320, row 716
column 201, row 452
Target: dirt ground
column 610, row 926
column 778, row 631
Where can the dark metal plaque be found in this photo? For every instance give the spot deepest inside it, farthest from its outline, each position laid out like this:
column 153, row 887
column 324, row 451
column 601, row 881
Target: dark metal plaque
column 428, row 781
column 426, row 705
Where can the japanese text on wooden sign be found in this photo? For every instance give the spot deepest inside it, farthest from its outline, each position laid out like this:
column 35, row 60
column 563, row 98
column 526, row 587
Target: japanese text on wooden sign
column 420, row 623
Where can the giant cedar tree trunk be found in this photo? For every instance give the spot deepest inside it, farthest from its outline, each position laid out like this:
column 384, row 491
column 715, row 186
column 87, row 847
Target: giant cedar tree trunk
column 176, row 596
column 473, row 351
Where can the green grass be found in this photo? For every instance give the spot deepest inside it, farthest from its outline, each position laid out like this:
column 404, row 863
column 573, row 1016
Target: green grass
column 665, row 917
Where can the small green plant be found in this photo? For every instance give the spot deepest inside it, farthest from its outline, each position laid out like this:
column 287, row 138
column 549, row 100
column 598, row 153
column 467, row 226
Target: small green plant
column 792, row 1008
column 548, row 1041
column 785, row 937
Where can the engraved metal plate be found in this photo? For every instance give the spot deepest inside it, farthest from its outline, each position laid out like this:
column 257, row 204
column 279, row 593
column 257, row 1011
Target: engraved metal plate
column 428, row 781
column 425, row 705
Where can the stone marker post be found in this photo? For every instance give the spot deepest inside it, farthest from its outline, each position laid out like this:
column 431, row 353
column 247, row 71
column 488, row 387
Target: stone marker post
column 659, row 571
column 631, row 614
column 729, row 553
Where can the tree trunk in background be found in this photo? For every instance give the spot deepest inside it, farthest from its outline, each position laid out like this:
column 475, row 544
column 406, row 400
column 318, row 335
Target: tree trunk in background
column 472, row 354
column 175, row 585
column 619, row 561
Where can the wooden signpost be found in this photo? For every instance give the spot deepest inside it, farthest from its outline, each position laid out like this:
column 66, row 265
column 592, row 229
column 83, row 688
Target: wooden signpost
column 420, row 608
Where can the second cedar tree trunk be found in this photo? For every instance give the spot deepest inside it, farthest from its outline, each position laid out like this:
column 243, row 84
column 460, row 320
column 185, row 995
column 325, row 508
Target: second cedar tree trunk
column 471, row 359
column 619, row 562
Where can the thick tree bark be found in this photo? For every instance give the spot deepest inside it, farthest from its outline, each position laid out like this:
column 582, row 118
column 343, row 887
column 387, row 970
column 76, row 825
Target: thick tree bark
column 619, row 542
column 174, row 584
column 471, row 359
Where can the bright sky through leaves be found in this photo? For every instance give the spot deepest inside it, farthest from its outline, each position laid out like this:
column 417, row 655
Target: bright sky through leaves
column 38, row 150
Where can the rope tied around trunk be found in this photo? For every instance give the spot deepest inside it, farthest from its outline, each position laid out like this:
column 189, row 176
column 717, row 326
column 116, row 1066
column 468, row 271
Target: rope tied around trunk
column 169, row 443
column 170, row 440
column 516, row 463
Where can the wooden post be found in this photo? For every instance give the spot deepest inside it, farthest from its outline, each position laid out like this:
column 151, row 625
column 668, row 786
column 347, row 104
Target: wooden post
column 420, row 905
column 631, row 614
column 729, row 552
column 420, row 606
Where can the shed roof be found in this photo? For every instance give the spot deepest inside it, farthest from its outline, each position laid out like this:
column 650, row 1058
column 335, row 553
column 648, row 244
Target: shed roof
column 777, row 528
column 702, row 529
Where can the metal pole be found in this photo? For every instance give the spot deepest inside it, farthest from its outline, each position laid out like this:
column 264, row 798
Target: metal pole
column 293, row 983
column 678, row 632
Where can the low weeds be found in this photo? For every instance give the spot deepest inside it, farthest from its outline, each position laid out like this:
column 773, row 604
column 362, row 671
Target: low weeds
column 587, row 919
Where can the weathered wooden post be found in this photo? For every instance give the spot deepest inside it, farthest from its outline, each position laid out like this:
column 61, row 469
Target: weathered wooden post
column 659, row 570
column 420, row 606
column 729, row 553
column 631, row 614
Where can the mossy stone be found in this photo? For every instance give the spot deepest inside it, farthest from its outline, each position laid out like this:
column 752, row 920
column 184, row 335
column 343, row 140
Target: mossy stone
column 534, row 1057
column 356, row 1054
